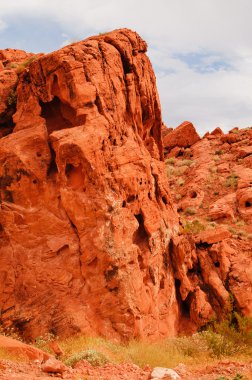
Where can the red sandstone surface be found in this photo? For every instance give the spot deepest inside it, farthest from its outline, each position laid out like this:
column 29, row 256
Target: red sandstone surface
column 86, row 215
column 99, row 234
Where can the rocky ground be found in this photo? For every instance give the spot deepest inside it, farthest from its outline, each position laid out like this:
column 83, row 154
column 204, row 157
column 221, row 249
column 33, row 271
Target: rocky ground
column 34, row 371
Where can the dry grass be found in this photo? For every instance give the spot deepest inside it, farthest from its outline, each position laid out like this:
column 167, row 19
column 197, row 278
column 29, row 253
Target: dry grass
column 232, row 181
column 222, row 341
column 190, row 211
column 194, row 227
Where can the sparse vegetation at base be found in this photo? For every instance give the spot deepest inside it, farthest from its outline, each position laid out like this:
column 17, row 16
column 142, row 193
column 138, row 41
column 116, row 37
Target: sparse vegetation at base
column 221, row 340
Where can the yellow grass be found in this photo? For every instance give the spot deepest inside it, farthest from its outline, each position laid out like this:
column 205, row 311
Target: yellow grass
column 205, row 347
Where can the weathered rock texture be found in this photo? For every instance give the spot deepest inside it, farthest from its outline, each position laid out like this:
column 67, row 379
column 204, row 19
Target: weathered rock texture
column 91, row 240
column 211, row 184
column 86, row 217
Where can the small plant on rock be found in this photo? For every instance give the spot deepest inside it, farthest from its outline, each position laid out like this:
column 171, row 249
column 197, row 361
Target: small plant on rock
column 12, row 98
column 232, row 181
column 190, row 211
column 170, row 161
column 193, row 227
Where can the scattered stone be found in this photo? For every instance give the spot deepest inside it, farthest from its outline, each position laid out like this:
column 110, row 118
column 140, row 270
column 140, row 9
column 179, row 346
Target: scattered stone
column 53, row 365
column 164, row 373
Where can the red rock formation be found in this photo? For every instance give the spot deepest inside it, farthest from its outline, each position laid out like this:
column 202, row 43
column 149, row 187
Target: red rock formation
column 21, row 350
column 90, row 237
column 184, row 135
column 86, row 216
column 216, row 186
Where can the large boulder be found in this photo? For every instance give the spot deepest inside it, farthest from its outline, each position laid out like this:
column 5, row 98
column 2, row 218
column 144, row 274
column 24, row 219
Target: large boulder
column 184, row 135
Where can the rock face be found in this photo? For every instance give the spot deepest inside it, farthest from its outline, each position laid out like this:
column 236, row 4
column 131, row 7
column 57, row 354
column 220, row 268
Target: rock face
column 211, row 184
column 90, row 238
column 86, row 216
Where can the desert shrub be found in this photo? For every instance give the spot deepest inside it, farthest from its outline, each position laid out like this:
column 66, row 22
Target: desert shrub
column 219, row 152
column 232, row 230
column 180, row 182
column 220, row 345
column 240, row 223
column 185, row 163
column 180, row 170
column 193, row 227
column 25, row 64
column 230, row 336
column 170, row 171
column 12, row 98
column 232, row 180
column 94, row 357
column 212, row 169
column 192, row 347
column 170, row 161
column 187, row 153
column 190, row 211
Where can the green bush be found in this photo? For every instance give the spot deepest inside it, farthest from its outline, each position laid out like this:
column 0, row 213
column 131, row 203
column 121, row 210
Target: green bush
column 232, row 180
column 25, row 64
column 219, row 152
column 185, row 163
column 193, row 227
column 190, row 211
column 94, row 357
column 170, row 161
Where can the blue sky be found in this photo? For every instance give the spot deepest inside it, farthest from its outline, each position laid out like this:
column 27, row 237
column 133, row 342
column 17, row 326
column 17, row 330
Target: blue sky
column 201, row 50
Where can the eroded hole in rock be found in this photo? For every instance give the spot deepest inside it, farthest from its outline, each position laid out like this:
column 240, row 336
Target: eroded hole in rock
column 58, row 115
column 140, row 262
column 124, row 204
column 217, row 264
column 247, row 204
column 8, row 197
column 140, row 236
column 75, row 176
column 193, row 194
column 184, row 306
column 162, row 283
column 131, row 198
column 164, row 200
column 6, row 121
column 152, row 275
column 110, row 273
column 52, row 169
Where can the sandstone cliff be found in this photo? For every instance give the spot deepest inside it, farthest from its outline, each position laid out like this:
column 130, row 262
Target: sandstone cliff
column 91, row 239
column 86, row 216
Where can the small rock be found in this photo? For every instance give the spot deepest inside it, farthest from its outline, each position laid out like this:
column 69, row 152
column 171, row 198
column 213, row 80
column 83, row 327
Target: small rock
column 54, row 366
column 164, row 373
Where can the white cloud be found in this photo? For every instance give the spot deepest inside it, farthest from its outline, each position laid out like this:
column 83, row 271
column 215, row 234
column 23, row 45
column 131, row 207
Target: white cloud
column 3, row 25
column 216, row 90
